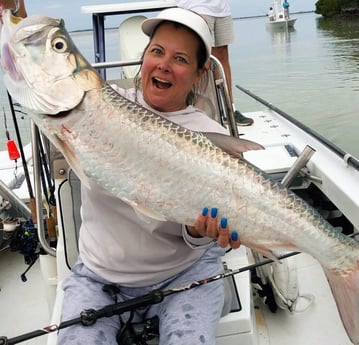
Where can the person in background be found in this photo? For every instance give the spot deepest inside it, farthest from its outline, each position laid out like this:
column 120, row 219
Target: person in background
column 217, row 13
column 17, row 6
column 286, row 9
column 271, row 14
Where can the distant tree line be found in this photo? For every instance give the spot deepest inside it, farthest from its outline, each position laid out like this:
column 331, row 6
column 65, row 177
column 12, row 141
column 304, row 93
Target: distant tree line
column 332, row 8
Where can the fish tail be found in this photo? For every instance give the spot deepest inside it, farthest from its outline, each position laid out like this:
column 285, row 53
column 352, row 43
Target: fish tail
column 345, row 289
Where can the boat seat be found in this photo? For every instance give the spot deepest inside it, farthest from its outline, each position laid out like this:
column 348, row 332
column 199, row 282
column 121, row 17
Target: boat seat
column 132, row 43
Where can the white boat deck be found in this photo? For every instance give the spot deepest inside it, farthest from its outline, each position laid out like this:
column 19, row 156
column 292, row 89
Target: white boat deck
column 24, row 306
column 320, row 324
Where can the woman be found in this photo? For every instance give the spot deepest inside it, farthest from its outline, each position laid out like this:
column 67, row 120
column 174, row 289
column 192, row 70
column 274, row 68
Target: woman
column 135, row 254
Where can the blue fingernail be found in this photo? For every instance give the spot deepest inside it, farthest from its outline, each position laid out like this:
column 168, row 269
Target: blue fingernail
column 214, row 212
column 234, row 236
column 223, row 223
column 204, row 211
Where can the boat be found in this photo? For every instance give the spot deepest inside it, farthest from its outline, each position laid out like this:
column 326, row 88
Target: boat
column 278, row 18
column 269, row 302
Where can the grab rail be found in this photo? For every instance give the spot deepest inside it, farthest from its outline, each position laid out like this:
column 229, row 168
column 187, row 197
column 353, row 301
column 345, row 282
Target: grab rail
column 38, row 191
column 226, row 98
column 114, row 64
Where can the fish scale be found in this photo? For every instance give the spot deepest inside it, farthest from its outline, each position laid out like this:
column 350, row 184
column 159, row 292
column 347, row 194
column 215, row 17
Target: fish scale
column 149, row 135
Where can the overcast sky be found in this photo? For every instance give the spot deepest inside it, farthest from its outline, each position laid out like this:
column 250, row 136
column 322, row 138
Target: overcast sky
column 70, row 10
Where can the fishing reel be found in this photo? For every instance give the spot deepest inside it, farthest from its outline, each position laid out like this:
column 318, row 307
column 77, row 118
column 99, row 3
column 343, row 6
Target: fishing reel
column 136, row 333
column 141, row 333
column 24, row 240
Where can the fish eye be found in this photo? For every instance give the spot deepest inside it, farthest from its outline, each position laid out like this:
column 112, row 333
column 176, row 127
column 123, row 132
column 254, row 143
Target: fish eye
column 59, row 44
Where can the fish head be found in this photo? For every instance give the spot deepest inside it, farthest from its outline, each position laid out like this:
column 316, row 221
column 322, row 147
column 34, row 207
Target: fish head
column 43, row 70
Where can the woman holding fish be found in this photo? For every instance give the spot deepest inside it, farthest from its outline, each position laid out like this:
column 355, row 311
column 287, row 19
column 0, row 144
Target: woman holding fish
column 127, row 246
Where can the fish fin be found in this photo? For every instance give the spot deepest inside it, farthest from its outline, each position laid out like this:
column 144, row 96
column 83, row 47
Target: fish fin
column 231, row 145
column 345, row 289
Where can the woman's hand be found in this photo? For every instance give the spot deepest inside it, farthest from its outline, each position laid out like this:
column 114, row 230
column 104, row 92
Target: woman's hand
column 207, row 225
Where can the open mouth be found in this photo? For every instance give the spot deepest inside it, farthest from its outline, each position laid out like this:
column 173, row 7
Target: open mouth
column 160, row 83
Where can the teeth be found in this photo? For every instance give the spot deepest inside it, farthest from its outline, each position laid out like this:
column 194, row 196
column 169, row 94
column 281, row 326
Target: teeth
column 161, row 83
column 161, row 80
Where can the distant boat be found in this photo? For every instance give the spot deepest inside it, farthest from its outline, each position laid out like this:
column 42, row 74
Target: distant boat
column 277, row 18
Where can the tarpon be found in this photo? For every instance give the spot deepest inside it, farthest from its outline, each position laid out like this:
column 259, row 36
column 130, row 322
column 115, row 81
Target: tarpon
column 158, row 167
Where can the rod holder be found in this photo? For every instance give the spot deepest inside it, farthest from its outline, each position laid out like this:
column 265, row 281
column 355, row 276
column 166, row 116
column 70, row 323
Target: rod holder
column 299, row 164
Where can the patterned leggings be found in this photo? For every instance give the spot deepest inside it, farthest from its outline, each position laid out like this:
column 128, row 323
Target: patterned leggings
column 186, row 318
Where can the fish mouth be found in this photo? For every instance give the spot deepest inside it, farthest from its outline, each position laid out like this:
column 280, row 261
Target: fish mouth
column 161, row 83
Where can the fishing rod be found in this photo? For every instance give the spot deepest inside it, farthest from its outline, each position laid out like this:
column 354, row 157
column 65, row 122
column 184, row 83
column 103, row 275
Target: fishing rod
column 23, row 159
column 348, row 158
column 89, row 316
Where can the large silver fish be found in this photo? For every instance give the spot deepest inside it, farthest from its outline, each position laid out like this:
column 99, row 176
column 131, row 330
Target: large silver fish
column 158, row 167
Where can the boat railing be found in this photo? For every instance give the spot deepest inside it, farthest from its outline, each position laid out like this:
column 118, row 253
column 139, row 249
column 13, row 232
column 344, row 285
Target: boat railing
column 116, row 64
column 41, row 231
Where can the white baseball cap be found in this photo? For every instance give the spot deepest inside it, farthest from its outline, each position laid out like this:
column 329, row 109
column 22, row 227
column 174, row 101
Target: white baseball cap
column 185, row 17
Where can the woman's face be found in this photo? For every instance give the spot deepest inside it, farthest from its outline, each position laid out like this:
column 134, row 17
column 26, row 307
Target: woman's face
column 170, row 68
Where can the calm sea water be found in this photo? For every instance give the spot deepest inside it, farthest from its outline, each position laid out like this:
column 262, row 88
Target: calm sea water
column 310, row 72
